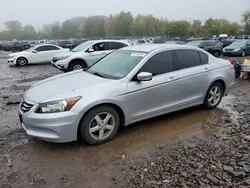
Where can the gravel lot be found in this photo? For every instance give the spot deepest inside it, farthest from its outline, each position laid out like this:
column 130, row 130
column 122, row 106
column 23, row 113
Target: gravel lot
column 190, row 148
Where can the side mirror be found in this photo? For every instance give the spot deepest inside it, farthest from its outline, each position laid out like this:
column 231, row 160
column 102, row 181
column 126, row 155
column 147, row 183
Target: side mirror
column 90, row 50
column 34, row 51
column 144, row 76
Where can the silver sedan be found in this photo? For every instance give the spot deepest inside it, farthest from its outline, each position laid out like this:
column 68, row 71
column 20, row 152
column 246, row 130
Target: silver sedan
column 127, row 86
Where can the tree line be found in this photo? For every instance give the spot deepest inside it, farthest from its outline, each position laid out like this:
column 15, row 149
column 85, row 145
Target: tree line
column 124, row 24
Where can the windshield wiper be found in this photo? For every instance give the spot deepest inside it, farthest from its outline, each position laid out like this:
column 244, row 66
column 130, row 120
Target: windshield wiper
column 94, row 73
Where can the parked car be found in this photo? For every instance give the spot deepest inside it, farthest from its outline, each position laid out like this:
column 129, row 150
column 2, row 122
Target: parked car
column 213, row 47
column 142, row 41
column 20, row 46
column 241, row 48
column 129, row 85
column 86, row 54
column 37, row 54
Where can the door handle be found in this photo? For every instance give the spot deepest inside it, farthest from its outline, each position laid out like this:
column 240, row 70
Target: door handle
column 171, row 78
column 205, row 69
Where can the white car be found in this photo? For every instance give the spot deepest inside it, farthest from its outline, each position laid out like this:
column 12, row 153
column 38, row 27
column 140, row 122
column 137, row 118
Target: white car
column 37, row 54
column 86, row 54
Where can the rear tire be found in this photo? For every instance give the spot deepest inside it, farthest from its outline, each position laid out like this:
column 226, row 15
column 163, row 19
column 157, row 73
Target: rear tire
column 217, row 54
column 21, row 61
column 77, row 65
column 243, row 54
column 213, row 96
column 99, row 125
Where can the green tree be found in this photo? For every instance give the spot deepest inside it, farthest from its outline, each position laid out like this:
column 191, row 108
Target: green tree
column 29, row 32
column 56, row 30
column 15, row 28
column 246, row 21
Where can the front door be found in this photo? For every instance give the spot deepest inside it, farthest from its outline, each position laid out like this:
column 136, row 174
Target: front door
column 157, row 96
column 98, row 52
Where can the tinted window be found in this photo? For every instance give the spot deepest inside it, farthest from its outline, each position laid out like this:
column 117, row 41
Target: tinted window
column 204, row 58
column 114, row 45
column 187, row 58
column 204, row 44
column 48, row 48
column 160, row 63
column 41, row 48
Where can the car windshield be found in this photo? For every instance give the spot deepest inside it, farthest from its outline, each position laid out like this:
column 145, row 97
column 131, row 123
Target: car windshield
column 117, row 64
column 237, row 43
column 31, row 49
column 81, row 47
column 194, row 43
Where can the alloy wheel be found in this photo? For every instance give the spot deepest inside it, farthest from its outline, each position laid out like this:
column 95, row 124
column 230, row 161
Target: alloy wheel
column 77, row 67
column 101, row 126
column 22, row 61
column 214, row 96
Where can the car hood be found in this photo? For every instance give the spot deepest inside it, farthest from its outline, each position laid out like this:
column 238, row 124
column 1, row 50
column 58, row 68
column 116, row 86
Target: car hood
column 68, row 53
column 19, row 53
column 61, row 84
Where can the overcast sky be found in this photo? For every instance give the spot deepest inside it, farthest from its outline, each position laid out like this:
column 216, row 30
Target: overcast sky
column 39, row 12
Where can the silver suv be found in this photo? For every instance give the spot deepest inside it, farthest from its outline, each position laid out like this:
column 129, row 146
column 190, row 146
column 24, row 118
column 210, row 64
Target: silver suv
column 86, row 54
column 127, row 86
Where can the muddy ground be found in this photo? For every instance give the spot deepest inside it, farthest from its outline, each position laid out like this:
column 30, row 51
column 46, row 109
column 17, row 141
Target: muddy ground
column 189, row 148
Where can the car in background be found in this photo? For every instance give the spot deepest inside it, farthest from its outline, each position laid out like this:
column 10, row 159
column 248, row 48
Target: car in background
column 86, row 54
column 37, row 54
column 129, row 85
column 237, row 48
column 212, row 46
column 20, row 46
column 174, row 42
column 142, row 41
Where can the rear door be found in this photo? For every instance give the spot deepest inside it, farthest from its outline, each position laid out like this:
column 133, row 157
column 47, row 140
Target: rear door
column 193, row 76
column 157, row 96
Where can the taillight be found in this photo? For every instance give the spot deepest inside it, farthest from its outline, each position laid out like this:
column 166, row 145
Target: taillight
column 231, row 67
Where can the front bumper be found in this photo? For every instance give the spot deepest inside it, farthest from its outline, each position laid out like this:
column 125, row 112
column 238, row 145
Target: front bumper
column 55, row 127
column 61, row 65
column 11, row 61
column 232, row 53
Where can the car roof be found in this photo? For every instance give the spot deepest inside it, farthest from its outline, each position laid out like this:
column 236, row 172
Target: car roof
column 107, row 40
column 39, row 45
column 155, row 47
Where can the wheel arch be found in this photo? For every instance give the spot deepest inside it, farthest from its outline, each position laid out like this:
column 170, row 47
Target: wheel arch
column 221, row 81
column 79, row 60
column 21, row 56
column 117, row 107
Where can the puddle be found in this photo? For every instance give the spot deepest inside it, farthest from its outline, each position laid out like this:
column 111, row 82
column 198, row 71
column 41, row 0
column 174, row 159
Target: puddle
column 137, row 139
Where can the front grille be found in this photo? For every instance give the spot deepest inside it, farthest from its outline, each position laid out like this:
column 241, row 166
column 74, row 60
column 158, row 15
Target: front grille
column 25, row 107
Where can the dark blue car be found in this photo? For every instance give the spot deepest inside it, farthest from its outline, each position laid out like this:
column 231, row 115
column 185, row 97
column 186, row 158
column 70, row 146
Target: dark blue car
column 237, row 48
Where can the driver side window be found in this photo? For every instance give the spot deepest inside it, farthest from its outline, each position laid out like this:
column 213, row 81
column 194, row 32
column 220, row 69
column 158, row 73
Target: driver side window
column 40, row 49
column 98, row 46
column 160, row 63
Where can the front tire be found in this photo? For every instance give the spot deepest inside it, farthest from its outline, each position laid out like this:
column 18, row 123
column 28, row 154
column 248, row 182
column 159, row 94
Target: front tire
column 77, row 65
column 243, row 54
column 213, row 96
column 217, row 54
column 99, row 125
column 21, row 61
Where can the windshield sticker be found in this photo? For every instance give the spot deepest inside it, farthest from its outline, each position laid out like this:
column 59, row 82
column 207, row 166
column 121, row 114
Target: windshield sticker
column 138, row 54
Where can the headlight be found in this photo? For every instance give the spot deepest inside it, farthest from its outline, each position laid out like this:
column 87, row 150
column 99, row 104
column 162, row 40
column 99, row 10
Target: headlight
column 237, row 49
column 63, row 57
column 58, row 106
